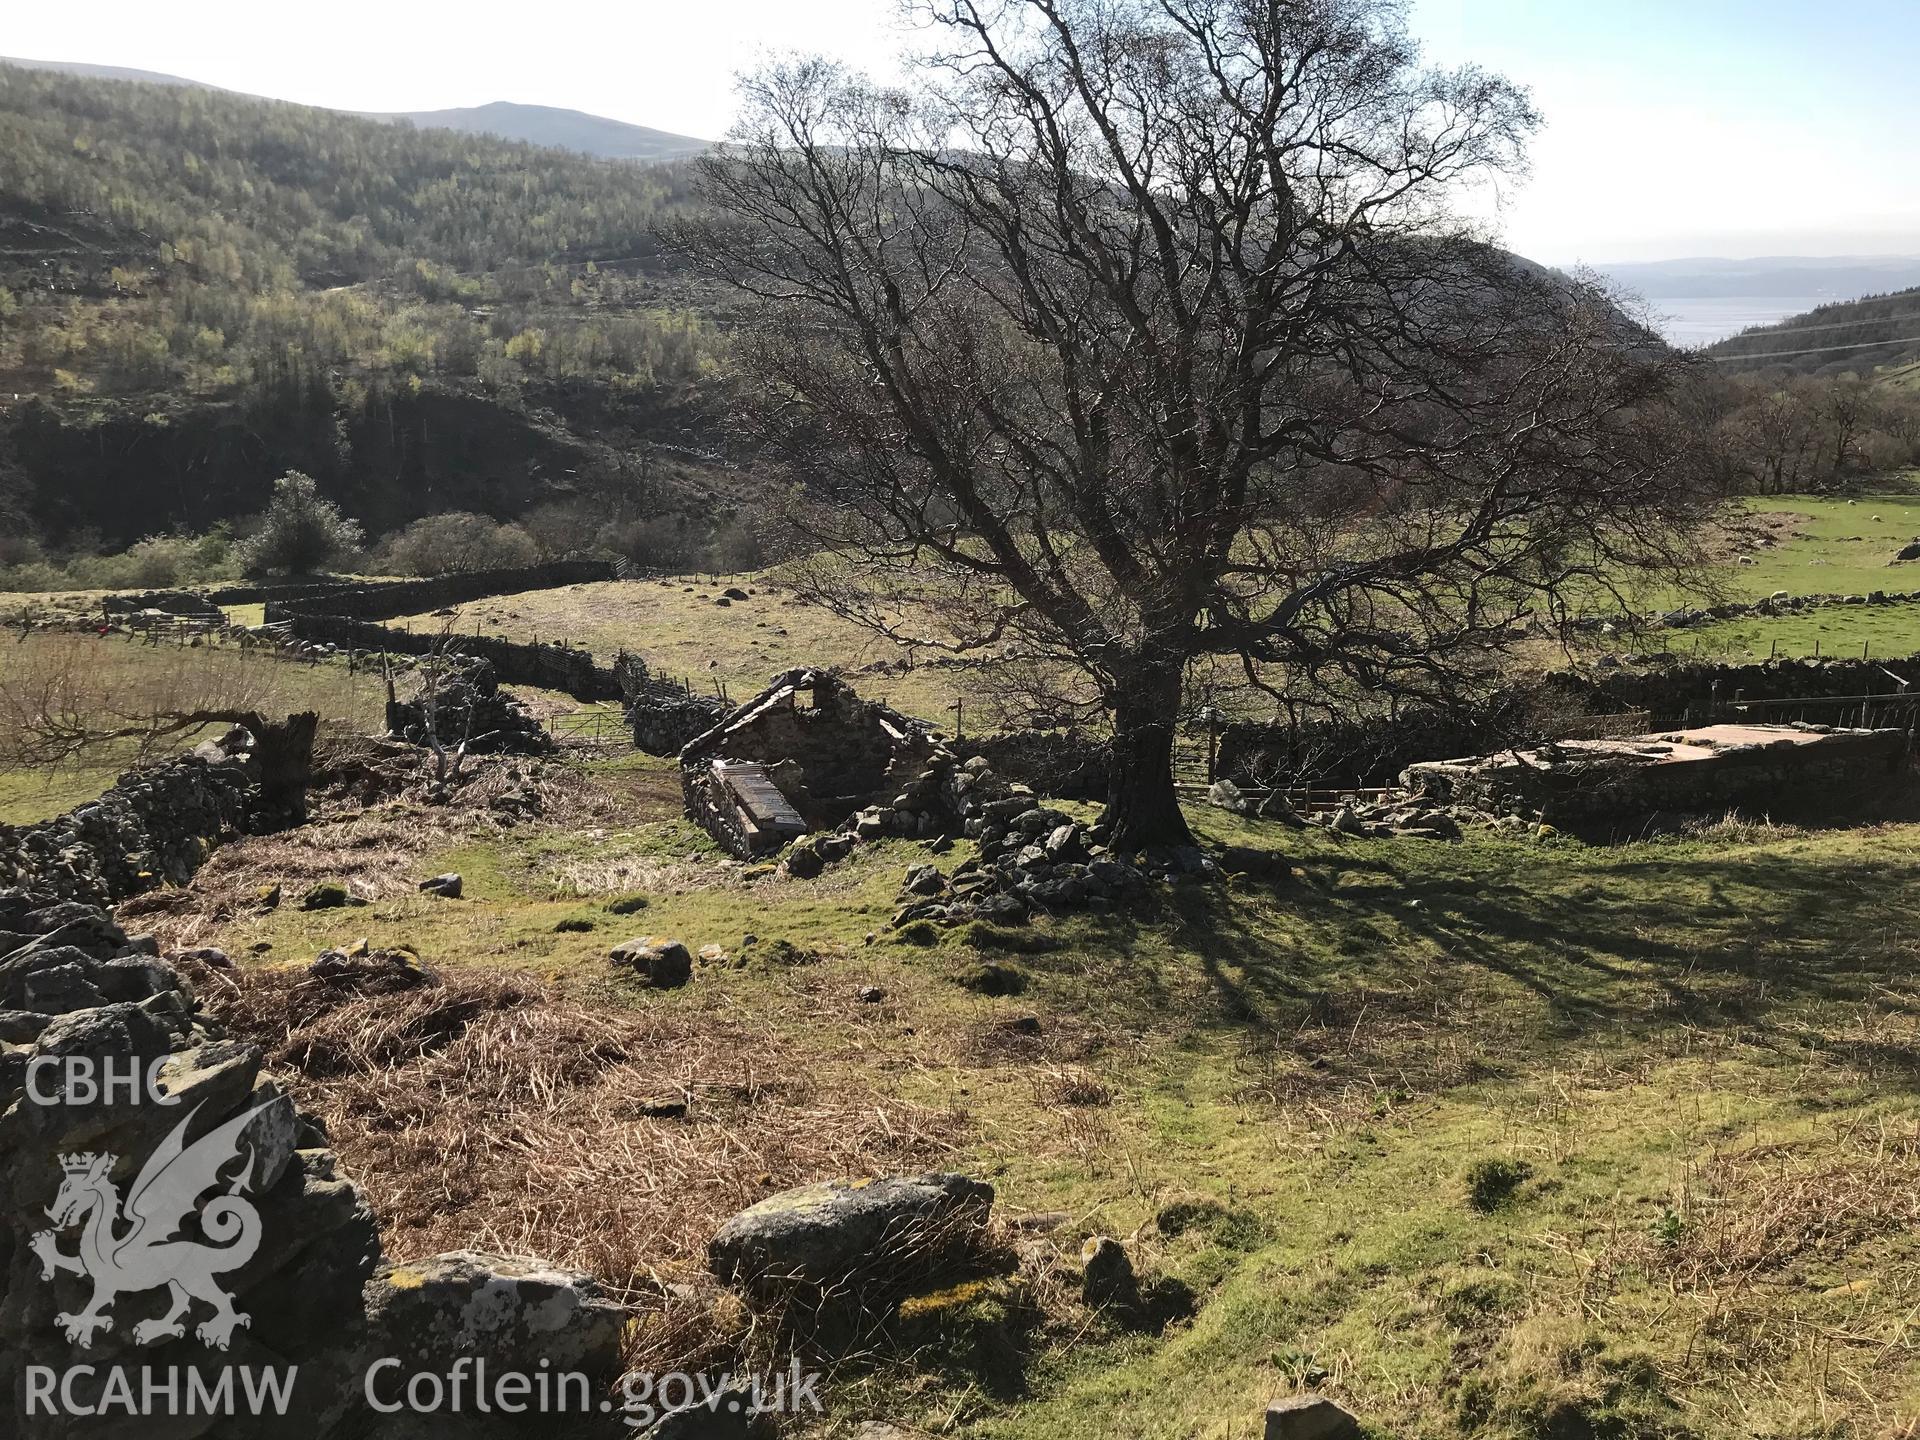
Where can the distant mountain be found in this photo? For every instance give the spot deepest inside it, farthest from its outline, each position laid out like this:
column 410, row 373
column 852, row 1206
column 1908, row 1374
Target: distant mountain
column 560, row 129
column 1769, row 276
column 530, row 124
column 102, row 72
column 1861, row 335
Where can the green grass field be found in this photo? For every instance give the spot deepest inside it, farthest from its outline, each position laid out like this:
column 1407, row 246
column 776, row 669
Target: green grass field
column 1693, row 1059
column 1830, row 546
column 1838, row 546
column 1843, row 546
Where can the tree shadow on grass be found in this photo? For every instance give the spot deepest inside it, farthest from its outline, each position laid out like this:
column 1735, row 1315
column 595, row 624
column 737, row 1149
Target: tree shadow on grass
column 1628, row 942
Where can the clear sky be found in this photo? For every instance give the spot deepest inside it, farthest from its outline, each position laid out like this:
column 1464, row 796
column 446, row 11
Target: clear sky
column 1674, row 127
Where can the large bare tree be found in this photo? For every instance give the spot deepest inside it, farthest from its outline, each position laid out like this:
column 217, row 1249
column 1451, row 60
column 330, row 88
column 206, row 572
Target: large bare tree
column 1142, row 331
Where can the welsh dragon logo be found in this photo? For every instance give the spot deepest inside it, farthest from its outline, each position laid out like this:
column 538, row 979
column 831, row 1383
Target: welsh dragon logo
column 138, row 1247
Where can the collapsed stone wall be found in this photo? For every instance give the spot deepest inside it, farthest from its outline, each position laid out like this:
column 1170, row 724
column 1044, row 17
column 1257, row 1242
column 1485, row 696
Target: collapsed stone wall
column 460, row 703
column 157, row 824
column 276, row 1253
column 1781, row 603
column 409, row 597
column 171, row 602
column 1065, row 764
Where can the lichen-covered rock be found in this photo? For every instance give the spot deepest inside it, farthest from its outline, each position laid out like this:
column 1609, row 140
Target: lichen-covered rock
column 513, row 1311
column 326, row 895
column 843, row 1236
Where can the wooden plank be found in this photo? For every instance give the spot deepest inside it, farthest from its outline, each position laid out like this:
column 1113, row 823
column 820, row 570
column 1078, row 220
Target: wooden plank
column 759, row 797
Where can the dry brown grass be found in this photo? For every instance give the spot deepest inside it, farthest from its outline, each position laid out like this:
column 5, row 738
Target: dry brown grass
column 1749, row 1213
column 368, row 831
column 491, row 1113
column 1071, row 1085
column 71, row 698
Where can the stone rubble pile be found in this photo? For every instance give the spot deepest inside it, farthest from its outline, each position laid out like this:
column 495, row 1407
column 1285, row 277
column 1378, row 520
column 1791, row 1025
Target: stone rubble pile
column 1406, row 814
column 185, row 603
column 469, row 706
column 940, row 798
column 1399, row 817
column 1030, row 858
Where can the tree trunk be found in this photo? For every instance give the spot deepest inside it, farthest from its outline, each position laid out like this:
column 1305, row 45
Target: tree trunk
column 284, row 752
column 1143, row 808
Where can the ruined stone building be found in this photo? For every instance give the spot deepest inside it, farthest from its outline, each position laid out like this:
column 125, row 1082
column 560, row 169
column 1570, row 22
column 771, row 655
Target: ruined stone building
column 805, row 754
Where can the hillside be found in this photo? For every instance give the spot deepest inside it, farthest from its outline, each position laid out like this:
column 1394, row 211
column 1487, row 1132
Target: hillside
column 561, row 129
column 545, row 125
column 200, row 289
column 102, row 72
column 1861, row 335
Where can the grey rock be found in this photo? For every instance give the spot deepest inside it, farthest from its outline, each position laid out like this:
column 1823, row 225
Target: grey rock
column 446, row 886
column 803, row 862
column 1226, row 795
column 924, row 880
column 208, row 955
column 511, row 1310
column 1346, row 822
column 1065, row 843
column 841, row 1233
column 726, row 1416
column 660, row 962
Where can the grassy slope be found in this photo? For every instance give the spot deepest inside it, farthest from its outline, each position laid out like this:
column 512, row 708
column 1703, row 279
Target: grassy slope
column 1845, row 547
column 1704, row 1050
column 675, row 626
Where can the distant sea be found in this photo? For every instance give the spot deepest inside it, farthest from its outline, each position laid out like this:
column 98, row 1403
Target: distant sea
column 1689, row 322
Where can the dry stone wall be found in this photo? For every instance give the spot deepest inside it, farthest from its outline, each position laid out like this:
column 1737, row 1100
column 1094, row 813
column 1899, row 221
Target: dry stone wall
column 409, row 597
column 515, row 662
column 1064, row 764
column 154, row 825
column 1372, row 750
column 664, row 716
